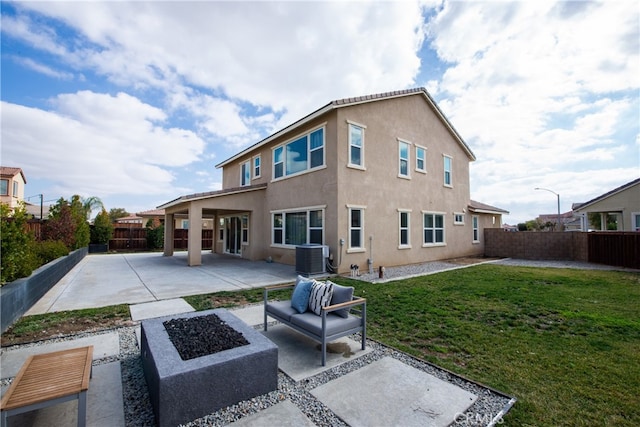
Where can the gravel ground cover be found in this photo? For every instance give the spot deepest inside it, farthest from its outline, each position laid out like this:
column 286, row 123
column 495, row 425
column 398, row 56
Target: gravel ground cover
column 490, row 406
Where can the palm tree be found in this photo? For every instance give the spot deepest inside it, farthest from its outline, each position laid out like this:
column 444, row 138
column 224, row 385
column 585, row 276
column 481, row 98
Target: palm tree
column 90, row 204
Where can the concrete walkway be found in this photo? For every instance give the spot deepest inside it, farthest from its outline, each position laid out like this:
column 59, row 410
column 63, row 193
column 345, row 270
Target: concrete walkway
column 103, row 280
column 384, row 390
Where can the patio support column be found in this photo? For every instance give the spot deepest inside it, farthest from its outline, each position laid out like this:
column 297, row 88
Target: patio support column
column 169, row 225
column 194, row 245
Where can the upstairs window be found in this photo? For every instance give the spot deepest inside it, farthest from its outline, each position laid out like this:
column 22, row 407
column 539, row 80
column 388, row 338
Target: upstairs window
column 4, row 187
column 302, row 154
column 356, row 146
column 421, row 159
column 245, row 174
column 257, row 167
column 403, row 155
column 15, row 189
column 447, row 171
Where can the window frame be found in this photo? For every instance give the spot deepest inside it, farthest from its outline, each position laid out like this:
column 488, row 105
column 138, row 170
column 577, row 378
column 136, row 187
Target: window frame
column 475, row 226
column 351, row 248
column 283, row 228
column 635, row 218
column 256, row 166
column 458, row 221
column 402, row 142
column 309, row 151
column 447, row 179
column 245, row 173
column 4, row 187
column 420, row 148
column 362, row 128
column 407, row 228
column 434, row 229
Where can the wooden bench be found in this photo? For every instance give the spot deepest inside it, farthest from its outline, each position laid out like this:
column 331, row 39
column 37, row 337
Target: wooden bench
column 49, row 379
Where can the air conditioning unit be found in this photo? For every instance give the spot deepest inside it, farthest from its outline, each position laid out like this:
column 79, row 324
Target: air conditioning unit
column 310, row 259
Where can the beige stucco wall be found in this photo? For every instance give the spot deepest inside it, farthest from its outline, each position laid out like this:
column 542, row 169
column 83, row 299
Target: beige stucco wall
column 13, row 199
column 378, row 188
column 625, row 202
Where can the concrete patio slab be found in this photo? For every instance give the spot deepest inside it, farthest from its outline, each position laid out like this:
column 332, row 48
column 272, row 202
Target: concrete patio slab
column 104, row 404
column 300, row 356
column 253, row 315
column 162, row 308
column 284, row 414
column 388, row 392
column 104, row 345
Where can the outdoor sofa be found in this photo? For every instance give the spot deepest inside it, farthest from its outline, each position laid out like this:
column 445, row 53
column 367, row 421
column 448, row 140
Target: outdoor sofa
column 323, row 311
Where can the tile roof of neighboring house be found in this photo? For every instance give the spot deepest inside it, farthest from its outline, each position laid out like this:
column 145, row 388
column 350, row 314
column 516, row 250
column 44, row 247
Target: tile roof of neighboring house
column 608, row 194
column 9, row 172
column 128, row 218
column 153, row 212
column 484, row 208
column 554, row 217
column 354, row 101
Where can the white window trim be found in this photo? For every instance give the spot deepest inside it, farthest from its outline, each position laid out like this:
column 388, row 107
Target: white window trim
column 246, row 163
column 444, row 182
column 475, row 227
column 444, row 229
column 284, row 228
column 253, row 166
column 633, row 220
column 425, row 159
column 458, row 222
column 349, row 164
column 408, row 175
column 350, row 249
column 408, row 244
column 284, row 144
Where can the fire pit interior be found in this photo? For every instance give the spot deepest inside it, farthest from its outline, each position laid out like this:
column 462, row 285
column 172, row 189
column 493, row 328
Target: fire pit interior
column 182, row 390
column 202, row 335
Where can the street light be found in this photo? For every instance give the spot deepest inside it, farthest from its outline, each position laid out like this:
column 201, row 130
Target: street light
column 558, row 196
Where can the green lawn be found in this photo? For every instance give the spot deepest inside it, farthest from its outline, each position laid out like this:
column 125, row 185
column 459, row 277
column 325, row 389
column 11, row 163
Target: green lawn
column 565, row 343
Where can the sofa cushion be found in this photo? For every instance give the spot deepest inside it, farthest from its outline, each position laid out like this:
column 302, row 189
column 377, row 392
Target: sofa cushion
column 341, row 294
column 320, row 296
column 300, row 296
column 282, row 309
column 312, row 323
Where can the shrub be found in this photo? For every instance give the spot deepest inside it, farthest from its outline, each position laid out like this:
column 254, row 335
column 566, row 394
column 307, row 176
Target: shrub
column 155, row 238
column 49, row 250
column 17, row 244
column 102, row 229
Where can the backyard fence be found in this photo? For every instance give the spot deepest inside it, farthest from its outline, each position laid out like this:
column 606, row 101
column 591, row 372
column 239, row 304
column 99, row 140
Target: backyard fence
column 621, row 249
column 135, row 239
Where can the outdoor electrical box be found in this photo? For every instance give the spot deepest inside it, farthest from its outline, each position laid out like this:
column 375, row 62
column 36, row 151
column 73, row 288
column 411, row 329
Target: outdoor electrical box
column 310, row 259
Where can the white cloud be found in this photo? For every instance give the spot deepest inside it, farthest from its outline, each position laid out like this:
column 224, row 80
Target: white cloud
column 96, row 144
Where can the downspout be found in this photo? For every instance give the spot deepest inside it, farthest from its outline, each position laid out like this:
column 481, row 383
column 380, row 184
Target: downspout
column 370, row 260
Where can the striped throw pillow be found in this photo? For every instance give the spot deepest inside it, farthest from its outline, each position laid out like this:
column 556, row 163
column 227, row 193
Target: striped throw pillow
column 321, row 294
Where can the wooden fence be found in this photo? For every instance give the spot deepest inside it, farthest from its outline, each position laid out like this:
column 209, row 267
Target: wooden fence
column 615, row 248
column 135, row 239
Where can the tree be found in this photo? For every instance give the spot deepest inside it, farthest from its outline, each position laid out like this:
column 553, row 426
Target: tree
column 102, row 229
column 116, row 213
column 90, row 204
column 79, row 213
column 60, row 225
column 16, row 244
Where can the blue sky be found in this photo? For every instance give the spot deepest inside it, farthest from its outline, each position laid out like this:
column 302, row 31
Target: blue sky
column 136, row 102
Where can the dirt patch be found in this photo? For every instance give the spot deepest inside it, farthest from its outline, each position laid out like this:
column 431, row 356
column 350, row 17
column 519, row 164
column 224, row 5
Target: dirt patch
column 63, row 329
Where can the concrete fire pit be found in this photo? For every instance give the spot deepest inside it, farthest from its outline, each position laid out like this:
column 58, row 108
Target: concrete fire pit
column 183, row 390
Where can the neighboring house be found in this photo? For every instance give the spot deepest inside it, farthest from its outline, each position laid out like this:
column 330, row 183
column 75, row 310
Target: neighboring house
column 623, row 203
column 510, row 228
column 156, row 216
column 568, row 221
column 12, row 183
column 381, row 179
column 129, row 221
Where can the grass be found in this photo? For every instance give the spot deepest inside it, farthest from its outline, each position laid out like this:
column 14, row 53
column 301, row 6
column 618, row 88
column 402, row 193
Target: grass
column 565, row 342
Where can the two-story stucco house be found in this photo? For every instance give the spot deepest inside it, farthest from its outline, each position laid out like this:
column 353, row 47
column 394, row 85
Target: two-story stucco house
column 381, row 180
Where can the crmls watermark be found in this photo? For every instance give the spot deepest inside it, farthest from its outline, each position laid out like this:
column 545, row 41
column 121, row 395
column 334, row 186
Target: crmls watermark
column 474, row 418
